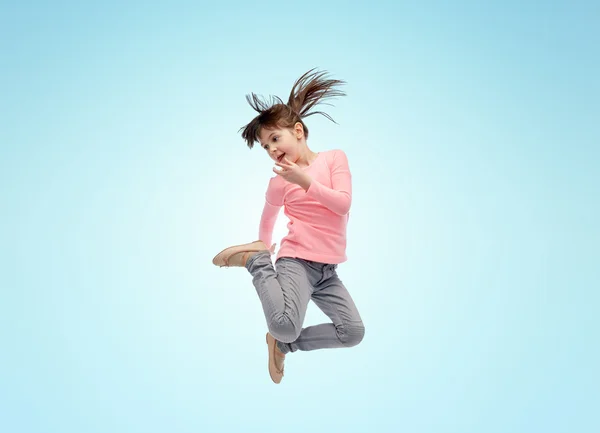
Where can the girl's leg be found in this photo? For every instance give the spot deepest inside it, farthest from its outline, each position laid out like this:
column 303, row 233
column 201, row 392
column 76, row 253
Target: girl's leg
column 284, row 294
column 333, row 299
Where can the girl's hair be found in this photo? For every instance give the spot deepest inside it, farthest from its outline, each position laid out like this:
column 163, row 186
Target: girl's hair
column 309, row 90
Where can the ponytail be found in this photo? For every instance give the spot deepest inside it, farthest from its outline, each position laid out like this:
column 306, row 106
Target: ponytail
column 309, row 90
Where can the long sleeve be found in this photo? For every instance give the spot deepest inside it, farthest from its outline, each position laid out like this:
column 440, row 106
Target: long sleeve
column 267, row 223
column 337, row 199
column 273, row 203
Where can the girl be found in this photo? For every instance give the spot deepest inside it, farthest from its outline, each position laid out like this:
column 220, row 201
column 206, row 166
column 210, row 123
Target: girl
column 315, row 190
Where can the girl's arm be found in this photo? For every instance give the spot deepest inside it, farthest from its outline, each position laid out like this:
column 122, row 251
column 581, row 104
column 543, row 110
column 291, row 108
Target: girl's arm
column 273, row 203
column 339, row 198
column 267, row 223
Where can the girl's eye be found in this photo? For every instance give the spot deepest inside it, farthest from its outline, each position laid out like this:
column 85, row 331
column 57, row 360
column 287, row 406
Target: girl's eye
column 266, row 146
column 275, row 138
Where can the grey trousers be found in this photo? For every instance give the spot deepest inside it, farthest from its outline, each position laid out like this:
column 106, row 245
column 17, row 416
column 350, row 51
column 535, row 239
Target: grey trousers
column 285, row 290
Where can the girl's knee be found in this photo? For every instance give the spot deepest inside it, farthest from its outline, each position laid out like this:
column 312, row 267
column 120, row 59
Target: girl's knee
column 284, row 329
column 351, row 334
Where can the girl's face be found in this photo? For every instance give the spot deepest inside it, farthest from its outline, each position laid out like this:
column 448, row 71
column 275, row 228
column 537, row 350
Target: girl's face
column 280, row 143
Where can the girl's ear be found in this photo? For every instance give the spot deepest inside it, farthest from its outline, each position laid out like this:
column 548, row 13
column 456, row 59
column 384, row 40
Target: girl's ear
column 299, row 130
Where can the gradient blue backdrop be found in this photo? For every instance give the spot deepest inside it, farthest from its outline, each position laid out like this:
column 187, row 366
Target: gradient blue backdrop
column 472, row 133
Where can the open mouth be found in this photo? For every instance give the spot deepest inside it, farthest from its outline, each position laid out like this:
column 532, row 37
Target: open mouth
column 281, row 157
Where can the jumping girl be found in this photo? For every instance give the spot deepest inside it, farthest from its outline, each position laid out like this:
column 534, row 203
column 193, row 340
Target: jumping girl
column 315, row 190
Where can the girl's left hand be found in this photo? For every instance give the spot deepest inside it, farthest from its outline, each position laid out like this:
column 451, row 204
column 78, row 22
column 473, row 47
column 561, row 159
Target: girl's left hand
column 291, row 172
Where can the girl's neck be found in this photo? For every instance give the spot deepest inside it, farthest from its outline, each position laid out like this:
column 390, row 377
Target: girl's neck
column 307, row 156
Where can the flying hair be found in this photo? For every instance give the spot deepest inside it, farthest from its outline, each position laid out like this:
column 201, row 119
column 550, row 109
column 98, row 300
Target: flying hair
column 310, row 90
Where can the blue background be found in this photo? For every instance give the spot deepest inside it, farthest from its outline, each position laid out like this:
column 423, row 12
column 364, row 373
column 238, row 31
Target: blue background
column 472, row 134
